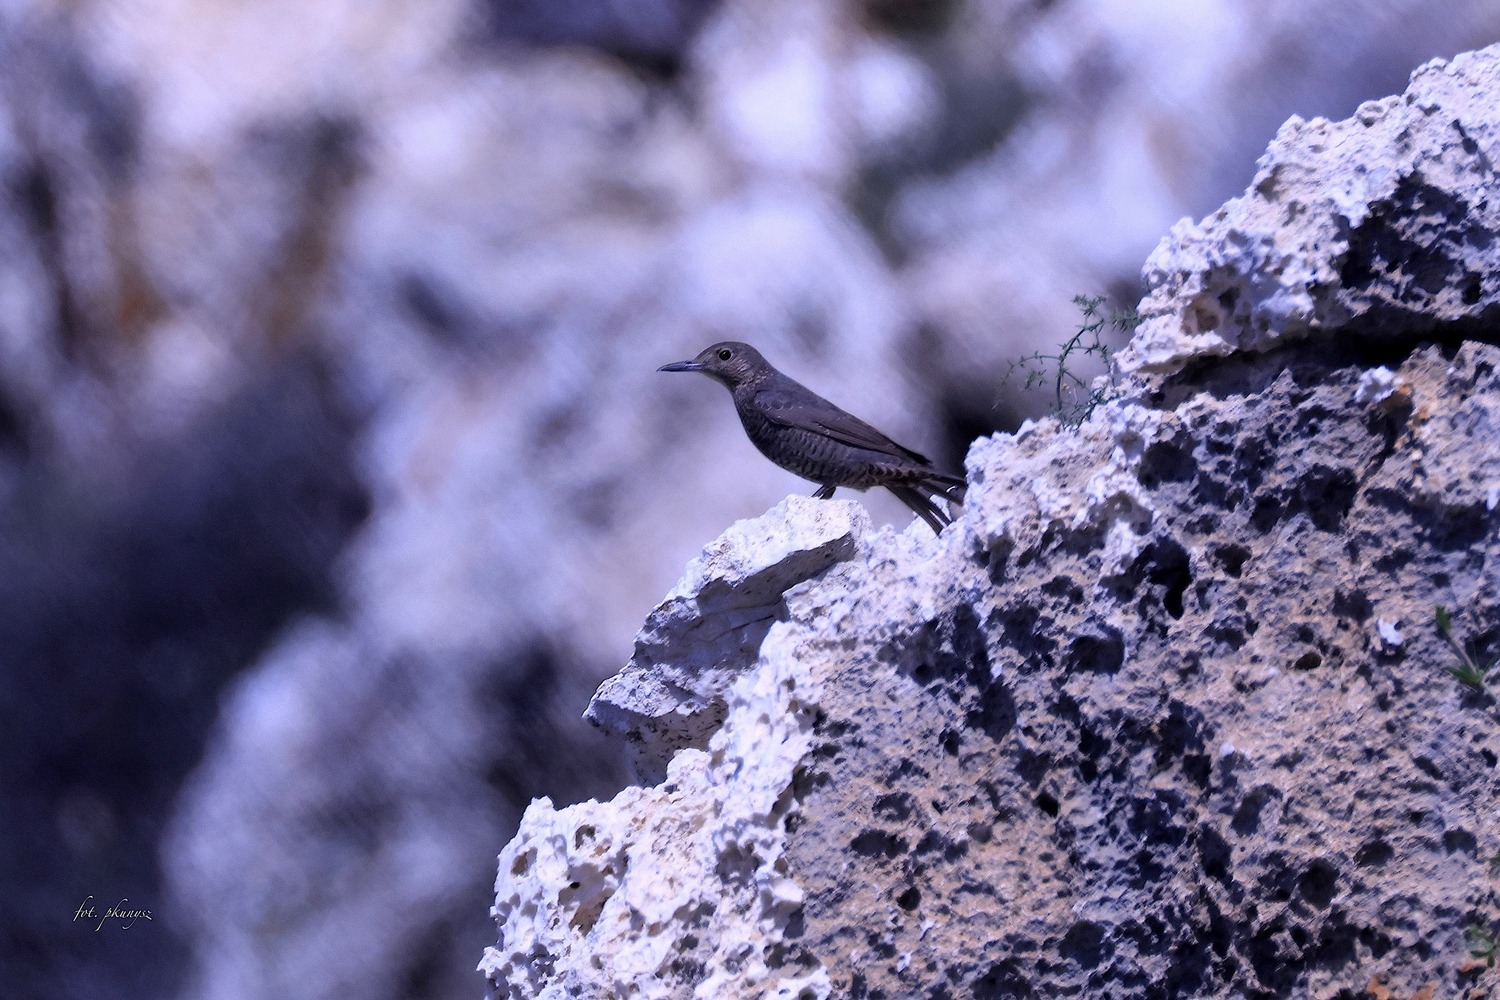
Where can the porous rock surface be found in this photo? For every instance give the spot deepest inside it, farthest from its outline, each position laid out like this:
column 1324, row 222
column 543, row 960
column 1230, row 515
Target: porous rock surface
column 1382, row 224
column 709, row 629
column 335, row 471
column 1164, row 714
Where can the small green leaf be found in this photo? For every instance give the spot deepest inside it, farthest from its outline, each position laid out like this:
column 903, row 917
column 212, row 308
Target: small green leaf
column 1481, row 943
column 1444, row 621
column 1468, row 676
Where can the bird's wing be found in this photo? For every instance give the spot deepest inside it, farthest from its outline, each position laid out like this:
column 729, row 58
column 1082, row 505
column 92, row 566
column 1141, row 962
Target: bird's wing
column 792, row 404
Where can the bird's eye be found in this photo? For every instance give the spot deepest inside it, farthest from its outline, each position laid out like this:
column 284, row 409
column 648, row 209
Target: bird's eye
column 725, row 354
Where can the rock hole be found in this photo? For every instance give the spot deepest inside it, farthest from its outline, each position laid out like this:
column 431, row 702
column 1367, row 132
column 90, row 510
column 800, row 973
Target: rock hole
column 1165, row 568
column 1220, row 935
column 878, row 844
column 1232, row 558
column 1326, row 495
column 1091, row 743
column 1202, row 317
column 935, row 842
column 1247, row 817
column 1308, row 661
column 910, row 899
column 1266, row 513
column 1460, row 841
column 736, row 866
column 1352, row 604
column 1275, row 963
column 1374, row 854
column 903, row 18
column 1473, row 289
column 1227, row 635
column 1092, row 748
column 1165, row 462
column 994, row 711
column 1214, row 854
column 1083, row 944
column 1047, row 804
column 1005, row 980
column 1150, row 869
column 1033, row 766
column 1319, row 883
column 590, row 903
column 1378, row 943
column 1180, row 739
column 1097, row 654
column 896, row 807
column 907, row 768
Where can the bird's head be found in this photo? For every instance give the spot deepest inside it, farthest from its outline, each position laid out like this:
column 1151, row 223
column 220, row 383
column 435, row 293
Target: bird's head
column 730, row 362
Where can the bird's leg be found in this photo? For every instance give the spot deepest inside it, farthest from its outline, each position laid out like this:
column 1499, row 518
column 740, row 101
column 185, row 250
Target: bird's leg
column 825, row 492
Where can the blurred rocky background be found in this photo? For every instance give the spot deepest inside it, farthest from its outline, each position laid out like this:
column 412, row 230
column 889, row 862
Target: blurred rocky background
column 334, row 468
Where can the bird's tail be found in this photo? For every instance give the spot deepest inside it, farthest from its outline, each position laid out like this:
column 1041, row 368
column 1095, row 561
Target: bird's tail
column 921, row 503
column 920, row 494
column 950, row 488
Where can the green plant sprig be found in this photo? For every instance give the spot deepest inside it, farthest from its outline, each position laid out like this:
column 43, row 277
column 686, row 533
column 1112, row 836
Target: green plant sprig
column 1472, row 669
column 1482, row 945
column 1075, row 400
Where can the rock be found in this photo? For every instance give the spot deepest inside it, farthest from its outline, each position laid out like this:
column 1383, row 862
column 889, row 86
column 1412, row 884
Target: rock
column 334, row 467
column 1165, row 714
column 686, row 880
column 1074, row 135
column 709, row 629
column 1381, row 226
column 705, row 916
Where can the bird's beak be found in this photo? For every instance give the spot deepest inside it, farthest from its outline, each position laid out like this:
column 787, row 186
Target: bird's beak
column 681, row 366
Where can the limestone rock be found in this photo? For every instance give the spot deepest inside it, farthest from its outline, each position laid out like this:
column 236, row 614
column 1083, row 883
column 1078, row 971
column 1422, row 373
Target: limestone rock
column 1165, row 714
column 1104, row 124
column 709, row 629
column 334, row 468
column 1380, row 225
column 581, row 915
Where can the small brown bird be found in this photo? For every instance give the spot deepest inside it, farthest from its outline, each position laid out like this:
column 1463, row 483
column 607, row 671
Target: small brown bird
column 806, row 434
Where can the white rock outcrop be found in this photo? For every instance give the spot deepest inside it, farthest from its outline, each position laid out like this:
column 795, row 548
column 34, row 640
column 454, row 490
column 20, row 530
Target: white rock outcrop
column 709, row 630
column 1383, row 224
column 1165, row 714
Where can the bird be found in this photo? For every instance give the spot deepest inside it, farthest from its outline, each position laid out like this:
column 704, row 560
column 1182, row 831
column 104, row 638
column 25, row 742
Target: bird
column 807, row 435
